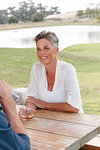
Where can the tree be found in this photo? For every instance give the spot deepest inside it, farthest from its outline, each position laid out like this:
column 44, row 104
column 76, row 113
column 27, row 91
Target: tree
column 97, row 12
column 89, row 12
column 12, row 19
column 11, row 11
column 54, row 10
column 25, row 11
column 31, row 9
column 38, row 17
column 80, row 13
column 42, row 9
column 98, row 19
column 3, row 16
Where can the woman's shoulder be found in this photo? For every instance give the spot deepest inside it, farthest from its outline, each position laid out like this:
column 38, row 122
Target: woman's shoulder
column 67, row 69
column 37, row 67
column 65, row 65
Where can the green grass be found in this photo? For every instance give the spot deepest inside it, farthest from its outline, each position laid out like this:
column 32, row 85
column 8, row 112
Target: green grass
column 86, row 59
column 15, row 67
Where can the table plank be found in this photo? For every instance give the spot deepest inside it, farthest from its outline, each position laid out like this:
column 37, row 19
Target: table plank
column 70, row 131
column 62, row 128
column 86, row 119
column 48, row 141
column 92, row 120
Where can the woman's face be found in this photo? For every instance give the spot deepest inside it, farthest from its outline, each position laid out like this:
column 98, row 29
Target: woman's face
column 46, row 52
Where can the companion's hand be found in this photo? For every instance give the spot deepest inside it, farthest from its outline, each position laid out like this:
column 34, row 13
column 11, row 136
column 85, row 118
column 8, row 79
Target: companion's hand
column 5, row 92
column 9, row 106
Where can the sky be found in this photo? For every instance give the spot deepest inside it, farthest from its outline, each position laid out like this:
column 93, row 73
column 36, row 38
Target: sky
column 64, row 5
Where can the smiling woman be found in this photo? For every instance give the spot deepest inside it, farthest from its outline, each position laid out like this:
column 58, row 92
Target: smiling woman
column 53, row 84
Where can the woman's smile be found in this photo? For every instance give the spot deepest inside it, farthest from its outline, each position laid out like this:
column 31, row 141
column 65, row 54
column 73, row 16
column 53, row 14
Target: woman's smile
column 43, row 57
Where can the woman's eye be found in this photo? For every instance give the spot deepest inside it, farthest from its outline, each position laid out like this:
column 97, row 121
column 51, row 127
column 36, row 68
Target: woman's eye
column 46, row 48
column 38, row 49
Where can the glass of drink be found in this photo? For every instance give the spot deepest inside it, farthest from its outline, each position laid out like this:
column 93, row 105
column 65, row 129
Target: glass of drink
column 26, row 112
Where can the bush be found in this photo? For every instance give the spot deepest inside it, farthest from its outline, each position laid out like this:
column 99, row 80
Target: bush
column 98, row 19
column 12, row 19
column 38, row 17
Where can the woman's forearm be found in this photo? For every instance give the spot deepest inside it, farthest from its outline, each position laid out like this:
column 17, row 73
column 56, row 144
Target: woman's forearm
column 61, row 107
column 53, row 106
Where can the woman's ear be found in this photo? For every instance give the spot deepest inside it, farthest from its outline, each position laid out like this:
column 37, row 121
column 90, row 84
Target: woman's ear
column 57, row 49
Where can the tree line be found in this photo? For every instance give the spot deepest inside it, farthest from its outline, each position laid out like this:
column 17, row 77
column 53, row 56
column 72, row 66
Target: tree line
column 89, row 13
column 27, row 11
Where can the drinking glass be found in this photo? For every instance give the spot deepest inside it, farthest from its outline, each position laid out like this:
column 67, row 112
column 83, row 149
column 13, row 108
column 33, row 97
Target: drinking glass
column 26, row 112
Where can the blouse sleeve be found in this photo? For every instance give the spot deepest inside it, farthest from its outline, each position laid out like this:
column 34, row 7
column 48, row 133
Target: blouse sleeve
column 72, row 88
column 33, row 87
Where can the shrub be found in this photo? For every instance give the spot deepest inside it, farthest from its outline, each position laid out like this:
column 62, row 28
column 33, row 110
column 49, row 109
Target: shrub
column 38, row 17
column 12, row 19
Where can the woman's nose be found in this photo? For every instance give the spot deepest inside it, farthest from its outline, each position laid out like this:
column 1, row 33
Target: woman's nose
column 42, row 51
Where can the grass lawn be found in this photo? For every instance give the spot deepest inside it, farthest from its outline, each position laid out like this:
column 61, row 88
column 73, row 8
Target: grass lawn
column 86, row 59
column 16, row 63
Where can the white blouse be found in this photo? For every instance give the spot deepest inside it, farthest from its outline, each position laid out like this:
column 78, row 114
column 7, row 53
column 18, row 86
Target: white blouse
column 65, row 89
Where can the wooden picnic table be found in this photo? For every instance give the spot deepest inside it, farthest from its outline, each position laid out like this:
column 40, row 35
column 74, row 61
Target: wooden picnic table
column 52, row 130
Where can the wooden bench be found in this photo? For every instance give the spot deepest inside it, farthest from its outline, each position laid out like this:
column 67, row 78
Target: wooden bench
column 94, row 144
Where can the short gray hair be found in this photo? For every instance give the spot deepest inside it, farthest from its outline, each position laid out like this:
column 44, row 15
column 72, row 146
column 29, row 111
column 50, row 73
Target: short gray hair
column 50, row 36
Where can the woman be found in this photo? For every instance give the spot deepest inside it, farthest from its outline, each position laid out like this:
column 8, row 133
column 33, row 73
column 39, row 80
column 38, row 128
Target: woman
column 53, row 83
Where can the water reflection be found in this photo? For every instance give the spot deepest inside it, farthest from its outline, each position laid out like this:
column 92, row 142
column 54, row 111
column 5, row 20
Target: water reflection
column 25, row 41
column 94, row 36
column 68, row 35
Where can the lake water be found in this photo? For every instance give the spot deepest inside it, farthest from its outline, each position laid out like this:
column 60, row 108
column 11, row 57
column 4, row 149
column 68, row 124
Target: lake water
column 68, row 35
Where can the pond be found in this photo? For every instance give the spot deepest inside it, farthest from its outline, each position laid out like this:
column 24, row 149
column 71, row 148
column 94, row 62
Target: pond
column 68, row 35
